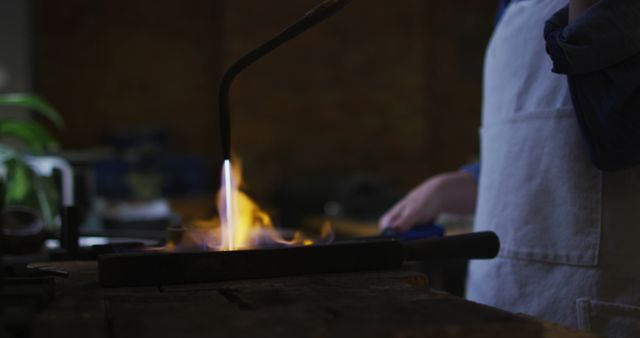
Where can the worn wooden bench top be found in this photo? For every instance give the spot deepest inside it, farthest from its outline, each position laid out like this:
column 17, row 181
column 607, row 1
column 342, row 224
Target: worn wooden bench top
column 378, row 304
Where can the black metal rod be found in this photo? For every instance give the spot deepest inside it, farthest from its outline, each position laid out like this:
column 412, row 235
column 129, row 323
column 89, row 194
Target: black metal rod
column 117, row 270
column 312, row 18
column 69, row 232
column 477, row 245
column 159, row 268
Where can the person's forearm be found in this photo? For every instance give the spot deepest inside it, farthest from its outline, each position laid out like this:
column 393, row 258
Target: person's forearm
column 459, row 193
column 577, row 7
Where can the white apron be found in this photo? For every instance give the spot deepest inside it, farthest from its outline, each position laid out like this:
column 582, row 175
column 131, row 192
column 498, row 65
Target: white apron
column 570, row 233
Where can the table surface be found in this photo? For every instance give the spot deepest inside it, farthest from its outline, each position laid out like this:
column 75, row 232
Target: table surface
column 372, row 304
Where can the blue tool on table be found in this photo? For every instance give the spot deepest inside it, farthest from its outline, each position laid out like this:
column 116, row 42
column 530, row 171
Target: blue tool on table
column 417, row 232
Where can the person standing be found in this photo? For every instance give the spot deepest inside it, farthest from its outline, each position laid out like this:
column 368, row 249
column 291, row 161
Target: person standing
column 559, row 179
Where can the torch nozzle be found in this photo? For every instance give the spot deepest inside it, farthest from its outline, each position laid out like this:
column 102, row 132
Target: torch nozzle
column 318, row 14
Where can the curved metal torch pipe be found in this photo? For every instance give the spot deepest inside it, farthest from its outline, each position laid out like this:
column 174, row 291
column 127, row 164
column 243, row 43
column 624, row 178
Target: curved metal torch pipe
column 310, row 19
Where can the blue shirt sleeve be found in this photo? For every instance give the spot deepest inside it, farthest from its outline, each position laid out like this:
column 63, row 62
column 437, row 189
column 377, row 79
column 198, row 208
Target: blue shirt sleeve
column 472, row 169
column 600, row 54
column 502, row 6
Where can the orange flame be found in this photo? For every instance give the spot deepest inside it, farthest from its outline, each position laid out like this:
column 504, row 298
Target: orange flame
column 242, row 223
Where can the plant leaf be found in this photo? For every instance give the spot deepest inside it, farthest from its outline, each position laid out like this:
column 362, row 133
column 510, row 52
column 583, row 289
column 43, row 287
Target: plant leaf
column 18, row 182
column 34, row 102
column 33, row 135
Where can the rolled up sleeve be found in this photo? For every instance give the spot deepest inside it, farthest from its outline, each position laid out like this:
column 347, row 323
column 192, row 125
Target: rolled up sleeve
column 600, row 54
column 606, row 34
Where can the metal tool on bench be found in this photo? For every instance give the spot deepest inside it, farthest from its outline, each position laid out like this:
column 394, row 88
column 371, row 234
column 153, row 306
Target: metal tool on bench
column 161, row 268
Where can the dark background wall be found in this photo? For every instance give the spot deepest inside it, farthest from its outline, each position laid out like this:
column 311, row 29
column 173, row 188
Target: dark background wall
column 109, row 64
column 15, row 51
column 389, row 89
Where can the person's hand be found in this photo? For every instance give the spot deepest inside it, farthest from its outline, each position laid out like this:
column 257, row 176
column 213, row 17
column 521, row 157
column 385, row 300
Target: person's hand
column 453, row 192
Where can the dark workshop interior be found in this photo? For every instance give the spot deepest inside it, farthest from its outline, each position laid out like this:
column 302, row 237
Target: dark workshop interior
column 110, row 140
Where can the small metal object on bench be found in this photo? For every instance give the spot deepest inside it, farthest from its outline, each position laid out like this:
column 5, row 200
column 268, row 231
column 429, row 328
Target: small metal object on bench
column 48, row 270
column 160, row 268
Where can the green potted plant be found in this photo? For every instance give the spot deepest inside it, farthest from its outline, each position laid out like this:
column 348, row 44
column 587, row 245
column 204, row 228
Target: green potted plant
column 30, row 200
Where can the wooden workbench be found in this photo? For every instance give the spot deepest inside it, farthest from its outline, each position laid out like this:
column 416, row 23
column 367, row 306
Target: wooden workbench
column 374, row 304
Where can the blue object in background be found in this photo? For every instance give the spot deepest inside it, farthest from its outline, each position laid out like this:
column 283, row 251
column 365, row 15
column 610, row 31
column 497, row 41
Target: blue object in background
column 182, row 175
column 143, row 155
column 417, row 232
